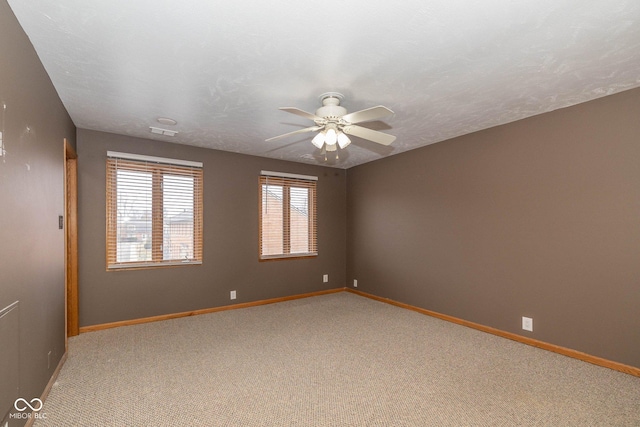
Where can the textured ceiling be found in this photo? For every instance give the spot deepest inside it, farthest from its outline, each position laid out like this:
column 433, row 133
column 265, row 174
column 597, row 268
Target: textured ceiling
column 222, row 69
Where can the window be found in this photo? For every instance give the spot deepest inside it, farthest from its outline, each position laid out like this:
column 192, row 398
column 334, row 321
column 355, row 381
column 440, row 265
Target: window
column 287, row 216
column 154, row 211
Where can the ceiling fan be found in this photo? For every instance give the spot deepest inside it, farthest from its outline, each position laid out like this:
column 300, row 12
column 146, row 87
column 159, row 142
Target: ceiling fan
column 335, row 124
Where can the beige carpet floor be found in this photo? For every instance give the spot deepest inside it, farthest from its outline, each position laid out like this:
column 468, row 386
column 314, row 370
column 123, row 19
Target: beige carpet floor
column 332, row 360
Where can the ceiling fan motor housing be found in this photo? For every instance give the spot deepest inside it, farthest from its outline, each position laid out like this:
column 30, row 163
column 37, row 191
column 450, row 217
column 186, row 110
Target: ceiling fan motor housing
column 331, row 109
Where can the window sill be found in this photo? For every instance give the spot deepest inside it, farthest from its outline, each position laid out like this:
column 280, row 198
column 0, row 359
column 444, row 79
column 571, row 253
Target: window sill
column 286, row 257
column 146, row 266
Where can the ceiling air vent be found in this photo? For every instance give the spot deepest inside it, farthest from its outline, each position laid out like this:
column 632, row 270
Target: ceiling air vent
column 160, row 131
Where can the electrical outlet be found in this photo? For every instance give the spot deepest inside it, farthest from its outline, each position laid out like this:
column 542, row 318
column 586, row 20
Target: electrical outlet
column 233, row 295
column 527, row 324
column 355, row 283
column 325, row 278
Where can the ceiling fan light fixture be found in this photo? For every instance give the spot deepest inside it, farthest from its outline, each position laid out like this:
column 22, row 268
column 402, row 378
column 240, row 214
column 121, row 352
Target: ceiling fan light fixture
column 332, row 137
column 334, row 124
column 318, row 140
column 343, row 140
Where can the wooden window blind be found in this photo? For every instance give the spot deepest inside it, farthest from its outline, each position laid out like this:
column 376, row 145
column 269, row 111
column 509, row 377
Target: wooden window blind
column 288, row 227
column 154, row 211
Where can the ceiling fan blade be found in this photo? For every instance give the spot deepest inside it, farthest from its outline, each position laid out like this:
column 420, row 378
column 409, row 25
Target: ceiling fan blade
column 371, row 135
column 373, row 113
column 302, row 113
column 295, row 132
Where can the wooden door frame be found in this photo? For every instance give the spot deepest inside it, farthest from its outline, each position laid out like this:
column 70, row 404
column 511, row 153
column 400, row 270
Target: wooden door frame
column 71, row 240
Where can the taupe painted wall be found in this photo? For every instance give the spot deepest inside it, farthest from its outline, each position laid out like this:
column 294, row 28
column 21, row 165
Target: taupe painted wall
column 230, row 237
column 537, row 218
column 31, row 198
